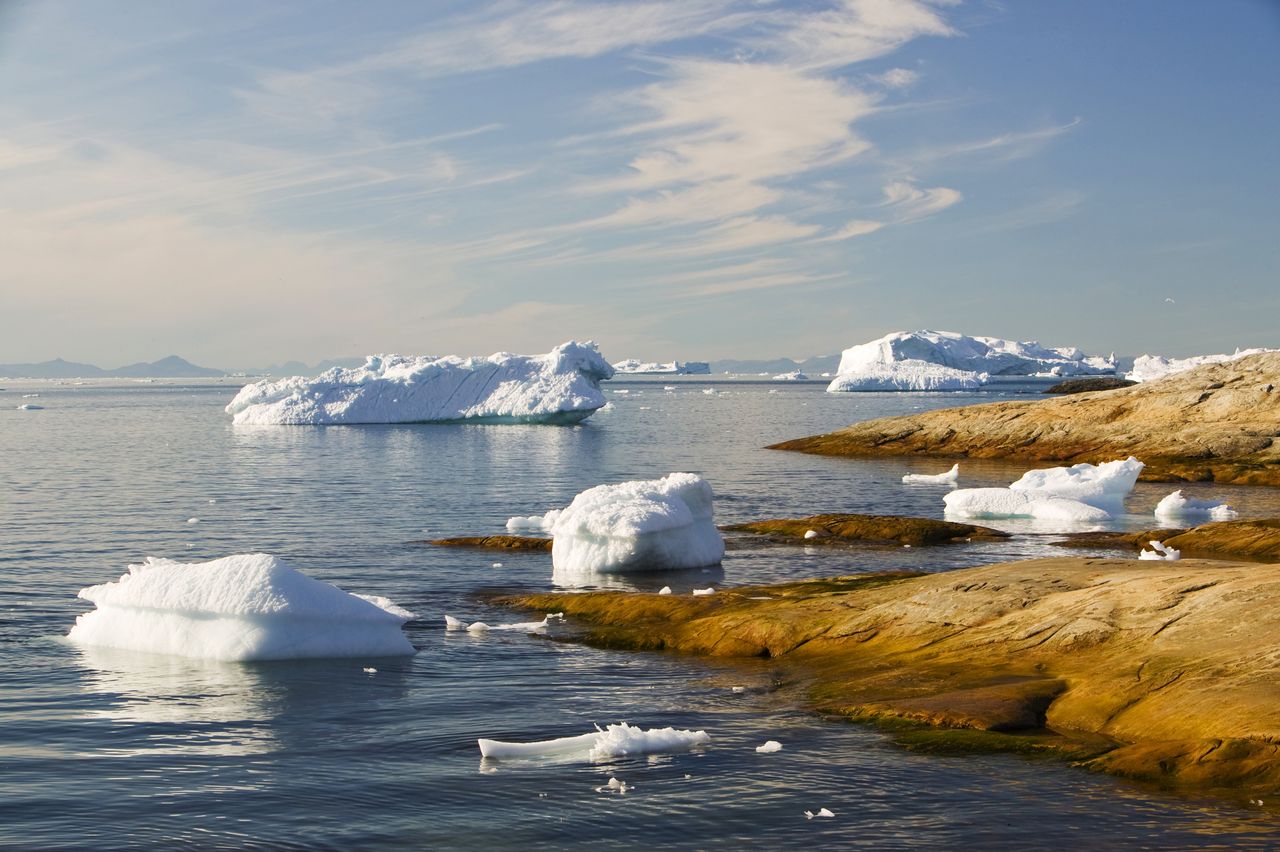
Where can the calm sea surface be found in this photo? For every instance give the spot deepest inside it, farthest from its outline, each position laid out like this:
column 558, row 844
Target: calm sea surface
column 111, row 750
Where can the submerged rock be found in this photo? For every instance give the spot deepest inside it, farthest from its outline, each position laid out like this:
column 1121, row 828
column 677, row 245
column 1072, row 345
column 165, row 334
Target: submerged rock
column 838, row 529
column 494, row 542
column 1168, row 671
column 1218, row 422
column 1095, row 383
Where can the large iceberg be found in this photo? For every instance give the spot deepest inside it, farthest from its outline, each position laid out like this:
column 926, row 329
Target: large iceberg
column 243, row 607
column 654, row 524
column 945, row 360
column 1148, row 368
column 560, row 387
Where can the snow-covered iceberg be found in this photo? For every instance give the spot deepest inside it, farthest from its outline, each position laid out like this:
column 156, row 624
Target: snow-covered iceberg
column 1082, row 493
column 793, row 376
column 243, row 607
column 1148, row 368
column 560, row 387
column 634, row 367
column 612, row 741
column 945, row 360
column 654, row 524
column 1175, row 507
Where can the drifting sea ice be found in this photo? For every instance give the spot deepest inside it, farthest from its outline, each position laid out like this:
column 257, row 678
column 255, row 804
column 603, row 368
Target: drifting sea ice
column 620, row 740
column 243, row 607
column 1176, row 506
column 996, row 503
column 1104, row 486
column 643, row 525
column 950, row 477
column 769, row 747
column 560, row 387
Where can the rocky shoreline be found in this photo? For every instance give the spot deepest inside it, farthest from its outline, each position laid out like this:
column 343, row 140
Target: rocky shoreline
column 1220, row 422
column 1163, row 671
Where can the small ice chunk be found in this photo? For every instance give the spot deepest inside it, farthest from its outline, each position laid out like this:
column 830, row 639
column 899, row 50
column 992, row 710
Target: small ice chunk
column 665, row 590
column 1177, row 506
column 668, row 387
column 615, row 786
column 243, row 607
column 30, row 407
column 451, row 623
column 369, row 670
column 477, row 627
column 709, row 391
column 193, row 520
column 948, row 478
column 770, row 747
column 1161, row 551
column 534, row 523
column 739, row 689
column 822, row 813
column 497, row 565
column 707, row 591
column 810, row 533
column 618, row 740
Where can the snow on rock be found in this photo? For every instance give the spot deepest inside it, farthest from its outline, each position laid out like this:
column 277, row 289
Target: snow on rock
column 644, row 525
column 1104, row 486
column 996, row 503
column 1160, row 551
column 620, row 740
column 1148, row 368
column 945, row 360
column 1176, row 506
column 950, row 477
column 243, row 607
column 560, row 387
column 793, row 376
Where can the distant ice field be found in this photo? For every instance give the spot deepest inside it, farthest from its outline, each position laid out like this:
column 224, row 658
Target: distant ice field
column 110, row 748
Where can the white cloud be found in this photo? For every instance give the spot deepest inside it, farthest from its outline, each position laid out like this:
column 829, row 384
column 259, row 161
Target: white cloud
column 897, row 78
column 907, row 202
column 855, row 31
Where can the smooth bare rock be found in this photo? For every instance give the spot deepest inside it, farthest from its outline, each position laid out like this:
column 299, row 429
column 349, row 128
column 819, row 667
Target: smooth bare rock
column 1147, row 664
column 844, row 528
column 1091, row 383
column 494, row 542
column 1219, row 422
column 1255, row 540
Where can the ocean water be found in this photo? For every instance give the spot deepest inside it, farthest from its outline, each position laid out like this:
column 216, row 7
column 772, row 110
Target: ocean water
column 106, row 749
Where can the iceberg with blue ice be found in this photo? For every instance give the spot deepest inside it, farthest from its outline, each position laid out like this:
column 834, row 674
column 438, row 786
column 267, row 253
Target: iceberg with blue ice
column 643, row 525
column 242, row 607
column 560, row 387
column 945, row 360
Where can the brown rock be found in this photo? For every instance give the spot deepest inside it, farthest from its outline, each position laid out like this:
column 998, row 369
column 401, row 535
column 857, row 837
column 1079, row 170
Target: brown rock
column 1218, row 422
column 1094, row 383
column 1257, row 540
column 494, row 542
column 1171, row 669
column 836, row 529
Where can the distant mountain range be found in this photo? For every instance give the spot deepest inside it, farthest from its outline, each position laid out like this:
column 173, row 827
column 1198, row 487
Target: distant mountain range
column 816, row 365
column 172, row 367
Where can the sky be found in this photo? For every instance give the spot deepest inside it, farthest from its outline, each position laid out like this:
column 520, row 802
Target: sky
column 244, row 183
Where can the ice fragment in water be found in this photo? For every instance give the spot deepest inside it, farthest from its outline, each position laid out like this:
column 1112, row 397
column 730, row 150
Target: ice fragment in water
column 613, row 741
column 1176, row 506
column 707, row 591
column 769, row 747
column 822, row 812
column 1160, row 551
column 950, row 477
column 665, row 590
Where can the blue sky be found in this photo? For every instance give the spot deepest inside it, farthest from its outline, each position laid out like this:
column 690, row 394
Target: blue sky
column 244, row 183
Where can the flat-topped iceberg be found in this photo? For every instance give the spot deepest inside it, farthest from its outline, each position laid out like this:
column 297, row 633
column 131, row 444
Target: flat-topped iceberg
column 561, row 387
column 644, row 525
column 635, row 367
column 243, row 607
column 946, row 360
column 1148, row 368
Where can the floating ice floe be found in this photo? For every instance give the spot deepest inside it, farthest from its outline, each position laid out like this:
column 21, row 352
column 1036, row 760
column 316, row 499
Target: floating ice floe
column 945, row 360
column 452, row 624
column 707, row 591
column 1082, row 493
column 950, row 477
column 1176, row 506
column 653, row 524
column 560, row 387
column 620, row 740
column 243, row 607
column 822, row 812
column 769, row 747
column 615, row 786
column 30, row 406
column 1148, row 368
column 1160, row 551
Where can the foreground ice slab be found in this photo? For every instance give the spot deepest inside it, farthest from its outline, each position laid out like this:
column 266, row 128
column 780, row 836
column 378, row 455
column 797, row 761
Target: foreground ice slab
column 950, row 477
column 1176, row 506
column 1148, row 368
column 244, row 607
column 613, row 741
column 945, row 360
column 997, row 503
column 1104, row 486
column 560, row 387
column 653, row 524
